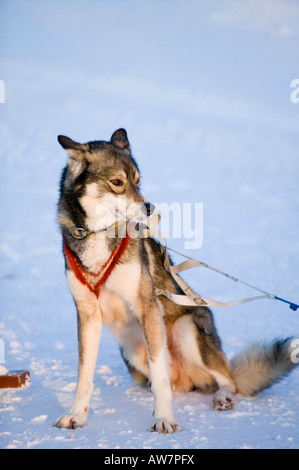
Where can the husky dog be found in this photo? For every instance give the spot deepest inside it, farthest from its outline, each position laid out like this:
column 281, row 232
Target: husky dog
column 113, row 280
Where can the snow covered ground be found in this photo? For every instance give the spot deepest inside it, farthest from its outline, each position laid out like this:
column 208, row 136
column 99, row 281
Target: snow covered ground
column 203, row 89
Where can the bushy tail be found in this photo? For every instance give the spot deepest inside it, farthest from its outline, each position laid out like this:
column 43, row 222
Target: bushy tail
column 261, row 365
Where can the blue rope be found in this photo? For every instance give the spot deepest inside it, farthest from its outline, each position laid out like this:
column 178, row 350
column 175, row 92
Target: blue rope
column 291, row 304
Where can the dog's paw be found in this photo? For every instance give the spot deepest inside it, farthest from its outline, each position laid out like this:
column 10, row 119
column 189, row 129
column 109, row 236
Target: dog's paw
column 164, row 426
column 224, row 400
column 71, row 421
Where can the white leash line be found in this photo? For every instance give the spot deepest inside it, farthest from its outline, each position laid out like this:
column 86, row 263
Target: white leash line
column 189, row 297
column 214, row 303
column 233, row 278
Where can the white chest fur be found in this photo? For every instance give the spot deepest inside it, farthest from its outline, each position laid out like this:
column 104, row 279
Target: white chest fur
column 96, row 252
column 125, row 277
column 124, row 281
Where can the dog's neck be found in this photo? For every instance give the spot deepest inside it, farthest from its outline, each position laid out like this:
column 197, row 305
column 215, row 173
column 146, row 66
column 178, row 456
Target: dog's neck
column 93, row 248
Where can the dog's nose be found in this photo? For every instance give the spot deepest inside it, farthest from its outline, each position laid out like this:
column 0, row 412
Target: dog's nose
column 149, row 207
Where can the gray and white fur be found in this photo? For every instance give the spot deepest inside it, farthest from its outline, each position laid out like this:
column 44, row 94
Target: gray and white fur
column 164, row 345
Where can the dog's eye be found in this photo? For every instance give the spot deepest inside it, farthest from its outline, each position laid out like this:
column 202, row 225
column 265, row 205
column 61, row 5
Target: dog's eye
column 117, row 182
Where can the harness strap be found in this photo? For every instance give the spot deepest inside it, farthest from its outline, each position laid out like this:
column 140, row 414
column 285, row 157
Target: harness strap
column 190, row 298
column 203, row 301
column 91, row 280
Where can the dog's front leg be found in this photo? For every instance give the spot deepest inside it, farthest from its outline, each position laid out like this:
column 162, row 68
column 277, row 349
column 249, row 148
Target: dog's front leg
column 89, row 332
column 155, row 339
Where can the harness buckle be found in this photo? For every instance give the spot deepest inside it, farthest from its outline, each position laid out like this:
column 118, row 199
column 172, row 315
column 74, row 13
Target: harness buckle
column 79, row 233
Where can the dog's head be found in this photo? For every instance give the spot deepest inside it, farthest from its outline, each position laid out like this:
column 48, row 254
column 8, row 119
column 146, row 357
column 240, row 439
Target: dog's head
column 104, row 179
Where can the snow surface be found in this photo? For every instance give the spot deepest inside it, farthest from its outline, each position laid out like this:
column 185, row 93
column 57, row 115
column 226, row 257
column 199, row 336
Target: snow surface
column 203, row 89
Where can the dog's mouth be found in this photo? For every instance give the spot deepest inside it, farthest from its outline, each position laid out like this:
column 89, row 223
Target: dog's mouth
column 136, row 212
column 108, row 214
column 139, row 222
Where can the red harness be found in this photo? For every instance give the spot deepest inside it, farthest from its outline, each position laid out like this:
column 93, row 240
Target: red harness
column 89, row 279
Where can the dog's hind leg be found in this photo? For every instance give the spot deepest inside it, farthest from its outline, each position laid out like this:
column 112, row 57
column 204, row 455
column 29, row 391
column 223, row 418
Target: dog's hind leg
column 89, row 319
column 201, row 349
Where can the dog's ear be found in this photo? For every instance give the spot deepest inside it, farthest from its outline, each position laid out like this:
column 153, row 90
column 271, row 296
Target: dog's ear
column 70, row 144
column 76, row 153
column 120, row 139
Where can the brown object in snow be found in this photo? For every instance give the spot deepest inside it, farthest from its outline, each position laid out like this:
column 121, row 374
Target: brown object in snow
column 15, row 379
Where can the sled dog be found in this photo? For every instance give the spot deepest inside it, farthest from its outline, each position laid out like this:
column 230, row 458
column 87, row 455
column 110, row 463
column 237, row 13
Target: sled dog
column 112, row 280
